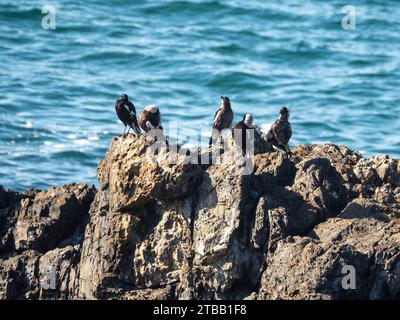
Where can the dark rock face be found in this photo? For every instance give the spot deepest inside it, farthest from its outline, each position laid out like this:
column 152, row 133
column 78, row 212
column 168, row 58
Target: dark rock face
column 364, row 236
column 162, row 230
column 41, row 232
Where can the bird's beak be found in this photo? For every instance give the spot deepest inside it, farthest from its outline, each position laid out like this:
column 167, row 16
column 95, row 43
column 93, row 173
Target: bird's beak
column 222, row 97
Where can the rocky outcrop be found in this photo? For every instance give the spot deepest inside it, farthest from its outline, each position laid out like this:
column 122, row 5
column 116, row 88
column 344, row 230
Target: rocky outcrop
column 162, row 226
column 40, row 241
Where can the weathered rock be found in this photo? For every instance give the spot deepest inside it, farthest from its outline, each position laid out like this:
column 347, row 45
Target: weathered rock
column 223, row 251
column 164, row 227
column 322, row 189
column 7, row 198
column 58, row 273
column 161, row 258
column 32, row 224
column 363, row 237
column 274, row 168
column 132, row 176
column 378, row 170
column 18, row 276
column 107, row 248
column 51, row 216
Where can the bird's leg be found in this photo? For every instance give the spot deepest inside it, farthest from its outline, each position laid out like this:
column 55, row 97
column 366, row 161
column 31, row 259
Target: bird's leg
column 279, row 148
column 287, row 150
column 124, row 131
column 129, row 128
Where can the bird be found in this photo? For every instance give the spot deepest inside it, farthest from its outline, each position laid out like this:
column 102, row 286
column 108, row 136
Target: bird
column 281, row 131
column 240, row 131
column 150, row 118
column 126, row 112
column 223, row 117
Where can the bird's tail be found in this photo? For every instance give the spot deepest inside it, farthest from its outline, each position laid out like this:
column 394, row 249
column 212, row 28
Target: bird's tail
column 136, row 128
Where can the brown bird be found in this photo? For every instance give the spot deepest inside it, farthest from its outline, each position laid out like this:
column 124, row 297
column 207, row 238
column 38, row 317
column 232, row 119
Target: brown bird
column 126, row 112
column 241, row 132
column 281, row 131
column 223, row 117
column 150, row 118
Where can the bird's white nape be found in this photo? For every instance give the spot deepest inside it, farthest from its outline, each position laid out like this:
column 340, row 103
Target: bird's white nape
column 248, row 120
column 152, row 108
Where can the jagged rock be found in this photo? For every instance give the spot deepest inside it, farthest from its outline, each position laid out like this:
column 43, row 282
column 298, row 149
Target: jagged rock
column 18, row 276
column 129, row 241
column 163, row 293
column 58, row 273
column 313, row 267
column 108, row 247
column 49, row 217
column 7, row 198
column 274, row 168
column 221, row 242
column 322, row 189
column 41, row 220
column 164, row 227
column 259, row 232
column 377, row 170
column 7, row 220
column 133, row 177
column 336, row 154
column 341, row 158
column 33, row 223
column 161, row 258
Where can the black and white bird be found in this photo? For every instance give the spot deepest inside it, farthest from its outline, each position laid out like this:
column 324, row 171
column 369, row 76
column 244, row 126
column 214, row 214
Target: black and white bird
column 127, row 114
column 223, row 118
column 241, row 132
column 150, row 118
column 281, row 131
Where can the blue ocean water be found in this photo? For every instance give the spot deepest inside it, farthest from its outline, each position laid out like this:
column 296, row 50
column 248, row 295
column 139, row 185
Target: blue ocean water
column 58, row 87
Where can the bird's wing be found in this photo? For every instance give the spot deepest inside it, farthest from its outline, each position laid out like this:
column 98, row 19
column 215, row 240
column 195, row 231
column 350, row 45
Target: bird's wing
column 135, row 126
column 283, row 132
column 130, row 108
column 271, row 135
column 217, row 124
column 119, row 109
column 229, row 118
column 274, row 127
column 132, row 113
column 142, row 121
column 289, row 132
